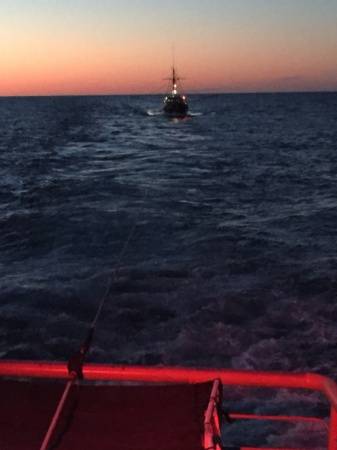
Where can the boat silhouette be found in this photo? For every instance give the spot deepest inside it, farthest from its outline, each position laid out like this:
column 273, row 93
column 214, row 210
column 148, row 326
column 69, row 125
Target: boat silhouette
column 175, row 104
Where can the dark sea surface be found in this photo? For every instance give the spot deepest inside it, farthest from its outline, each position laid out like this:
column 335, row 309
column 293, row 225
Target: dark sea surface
column 214, row 238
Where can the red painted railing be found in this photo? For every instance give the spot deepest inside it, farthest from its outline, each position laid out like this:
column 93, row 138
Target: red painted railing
column 212, row 428
column 309, row 381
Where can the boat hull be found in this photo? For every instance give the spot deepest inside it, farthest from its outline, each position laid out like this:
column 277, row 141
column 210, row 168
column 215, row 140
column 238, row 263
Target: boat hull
column 175, row 105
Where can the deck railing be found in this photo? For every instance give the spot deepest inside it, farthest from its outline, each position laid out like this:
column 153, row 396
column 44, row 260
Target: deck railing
column 309, row 381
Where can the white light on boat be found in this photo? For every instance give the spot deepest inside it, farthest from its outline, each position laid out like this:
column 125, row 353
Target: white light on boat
column 174, row 91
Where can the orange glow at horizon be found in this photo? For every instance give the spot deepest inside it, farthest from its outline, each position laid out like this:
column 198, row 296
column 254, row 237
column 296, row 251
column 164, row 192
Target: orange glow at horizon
column 128, row 75
column 111, row 72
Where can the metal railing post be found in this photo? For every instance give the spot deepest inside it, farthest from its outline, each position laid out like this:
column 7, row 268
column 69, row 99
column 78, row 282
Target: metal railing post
column 211, row 422
column 332, row 444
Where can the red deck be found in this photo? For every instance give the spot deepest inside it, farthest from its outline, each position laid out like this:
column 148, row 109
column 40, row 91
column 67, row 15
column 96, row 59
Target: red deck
column 104, row 417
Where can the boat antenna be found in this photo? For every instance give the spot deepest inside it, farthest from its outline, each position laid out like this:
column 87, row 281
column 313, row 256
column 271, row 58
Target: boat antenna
column 175, row 78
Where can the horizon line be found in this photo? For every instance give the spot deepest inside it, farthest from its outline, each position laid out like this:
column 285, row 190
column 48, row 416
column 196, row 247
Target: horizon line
column 320, row 91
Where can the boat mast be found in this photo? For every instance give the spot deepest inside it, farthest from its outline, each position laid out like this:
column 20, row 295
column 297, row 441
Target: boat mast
column 174, row 81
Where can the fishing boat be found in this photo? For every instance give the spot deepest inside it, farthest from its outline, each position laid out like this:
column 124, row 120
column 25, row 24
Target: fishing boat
column 47, row 406
column 175, row 104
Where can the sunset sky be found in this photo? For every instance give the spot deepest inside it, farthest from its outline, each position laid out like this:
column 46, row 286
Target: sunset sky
column 125, row 46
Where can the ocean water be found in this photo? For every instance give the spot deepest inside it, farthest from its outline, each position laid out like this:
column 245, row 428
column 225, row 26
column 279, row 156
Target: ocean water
column 213, row 239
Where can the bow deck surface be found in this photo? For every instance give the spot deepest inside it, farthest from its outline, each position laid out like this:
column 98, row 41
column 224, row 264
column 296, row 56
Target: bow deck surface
column 146, row 417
